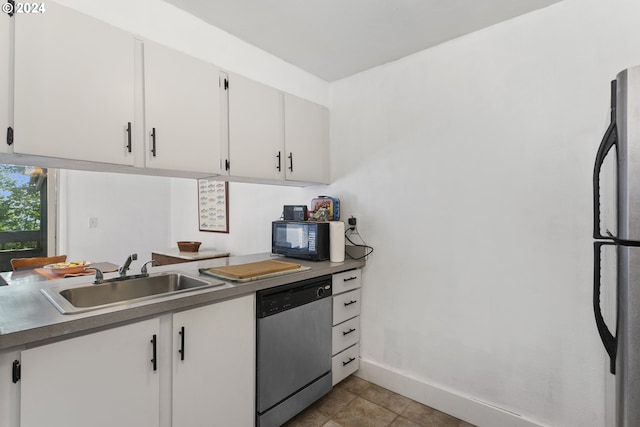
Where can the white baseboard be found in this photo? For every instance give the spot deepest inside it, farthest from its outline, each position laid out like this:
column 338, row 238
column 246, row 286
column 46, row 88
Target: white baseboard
column 463, row 407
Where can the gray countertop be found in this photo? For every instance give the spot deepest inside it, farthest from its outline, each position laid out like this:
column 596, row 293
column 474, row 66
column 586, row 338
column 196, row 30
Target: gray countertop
column 191, row 256
column 28, row 318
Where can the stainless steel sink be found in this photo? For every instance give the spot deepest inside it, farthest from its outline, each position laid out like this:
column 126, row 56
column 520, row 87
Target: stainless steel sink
column 75, row 299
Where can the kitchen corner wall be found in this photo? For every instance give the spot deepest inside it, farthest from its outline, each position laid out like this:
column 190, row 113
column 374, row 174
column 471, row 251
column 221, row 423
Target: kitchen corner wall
column 471, row 166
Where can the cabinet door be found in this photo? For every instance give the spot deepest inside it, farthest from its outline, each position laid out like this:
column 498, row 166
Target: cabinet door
column 9, row 391
column 214, row 368
column 74, row 89
column 4, row 80
column 103, row 379
column 182, row 111
column 306, row 138
column 256, row 136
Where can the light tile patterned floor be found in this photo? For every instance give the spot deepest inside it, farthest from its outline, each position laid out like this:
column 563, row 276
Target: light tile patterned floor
column 355, row 402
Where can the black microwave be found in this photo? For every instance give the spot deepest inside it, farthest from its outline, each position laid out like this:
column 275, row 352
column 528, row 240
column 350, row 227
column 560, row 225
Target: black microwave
column 300, row 239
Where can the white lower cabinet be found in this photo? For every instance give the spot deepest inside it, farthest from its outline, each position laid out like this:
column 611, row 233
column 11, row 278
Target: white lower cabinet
column 200, row 363
column 104, row 379
column 9, row 390
column 345, row 363
column 346, row 324
column 214, row 365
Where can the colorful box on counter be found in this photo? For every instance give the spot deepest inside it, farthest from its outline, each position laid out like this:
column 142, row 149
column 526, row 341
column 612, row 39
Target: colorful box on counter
column 332, row 204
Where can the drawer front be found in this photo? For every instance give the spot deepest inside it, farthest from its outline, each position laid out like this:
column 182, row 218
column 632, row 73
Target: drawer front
column 346, row 306
column 345, row 363
column 345, row 334
column 346, row 281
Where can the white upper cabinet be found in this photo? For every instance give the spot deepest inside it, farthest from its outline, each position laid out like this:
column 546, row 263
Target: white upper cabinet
column 306, row 139
column 74, row 86
column 276, row 136
column 4, row 80
column 256, row 131
column 182, row 111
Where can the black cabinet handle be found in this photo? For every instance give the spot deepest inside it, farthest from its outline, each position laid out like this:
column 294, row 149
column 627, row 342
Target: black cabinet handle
column 351, row 359
column 348, row 332
column 153, row 141
column 181, row 351
column 349, row 279
column 291, row 161
column 129, row 136
column 154, row 361
column 15, row 374
column 227, row 164
column 350, row 302
column 279, row 156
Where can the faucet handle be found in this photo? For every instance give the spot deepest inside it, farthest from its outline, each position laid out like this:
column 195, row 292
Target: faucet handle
column 99, row 275
column 143, row 270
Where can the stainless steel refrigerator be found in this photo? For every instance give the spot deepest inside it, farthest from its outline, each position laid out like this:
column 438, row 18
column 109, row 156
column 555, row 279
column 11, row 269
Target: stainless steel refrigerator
column 622, row 345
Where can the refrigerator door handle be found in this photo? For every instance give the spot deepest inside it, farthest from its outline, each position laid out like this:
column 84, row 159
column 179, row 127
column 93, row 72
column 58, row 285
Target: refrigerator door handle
column 608, row 141
column 608, row 339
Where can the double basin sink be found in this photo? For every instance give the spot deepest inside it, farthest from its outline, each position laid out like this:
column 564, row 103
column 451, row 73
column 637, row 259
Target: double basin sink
column 73, row 299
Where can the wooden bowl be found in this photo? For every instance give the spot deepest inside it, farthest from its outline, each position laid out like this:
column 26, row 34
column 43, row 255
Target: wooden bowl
column 185, row 246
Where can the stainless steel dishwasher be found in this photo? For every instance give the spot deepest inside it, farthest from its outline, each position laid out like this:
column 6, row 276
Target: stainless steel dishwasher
column 293, row 364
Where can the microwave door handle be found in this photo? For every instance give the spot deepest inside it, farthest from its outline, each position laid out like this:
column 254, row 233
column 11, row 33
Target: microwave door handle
column 608, row 141
column 609, row 341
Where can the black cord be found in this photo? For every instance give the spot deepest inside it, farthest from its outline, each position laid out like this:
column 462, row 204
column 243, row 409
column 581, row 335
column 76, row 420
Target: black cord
column 364, row 245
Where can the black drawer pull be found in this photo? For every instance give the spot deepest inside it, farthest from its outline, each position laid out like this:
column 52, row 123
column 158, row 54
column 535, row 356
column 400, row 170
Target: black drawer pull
column 350, row 302
column 291, row 162
column 154, row 361
column 351, row 359
column 350, row 278
column 279, row 167
column 349, row 331
column 181, row 350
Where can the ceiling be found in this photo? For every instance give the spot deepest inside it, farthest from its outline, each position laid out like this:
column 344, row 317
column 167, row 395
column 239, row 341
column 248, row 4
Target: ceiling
column 333, row 39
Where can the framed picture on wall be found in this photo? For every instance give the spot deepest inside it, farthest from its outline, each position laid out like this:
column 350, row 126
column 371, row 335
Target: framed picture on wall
column 213, row 205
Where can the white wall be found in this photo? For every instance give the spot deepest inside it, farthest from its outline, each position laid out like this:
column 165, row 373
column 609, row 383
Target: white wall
column 252, row 207
column 472, row 166
column 132, row 212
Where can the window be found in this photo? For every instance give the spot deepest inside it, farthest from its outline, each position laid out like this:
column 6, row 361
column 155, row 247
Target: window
column 23, row 213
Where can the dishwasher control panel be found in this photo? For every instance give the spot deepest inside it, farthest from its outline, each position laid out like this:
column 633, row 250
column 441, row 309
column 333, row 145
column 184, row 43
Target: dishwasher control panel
column 292, row 295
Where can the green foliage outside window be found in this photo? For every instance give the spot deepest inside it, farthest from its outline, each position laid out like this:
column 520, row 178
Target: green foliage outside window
column 19, row 203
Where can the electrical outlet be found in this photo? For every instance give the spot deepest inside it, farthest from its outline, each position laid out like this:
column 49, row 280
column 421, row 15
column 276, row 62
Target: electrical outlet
column 93, row 222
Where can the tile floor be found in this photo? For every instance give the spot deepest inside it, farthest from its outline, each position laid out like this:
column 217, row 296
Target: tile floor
column 355, row 402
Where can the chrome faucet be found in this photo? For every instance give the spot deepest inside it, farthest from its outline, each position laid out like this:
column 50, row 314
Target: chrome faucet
column 122, row 271
column 99, row 275
column 143, row 270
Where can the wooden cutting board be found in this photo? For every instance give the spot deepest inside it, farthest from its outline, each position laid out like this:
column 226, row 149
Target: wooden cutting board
column 253, row 269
